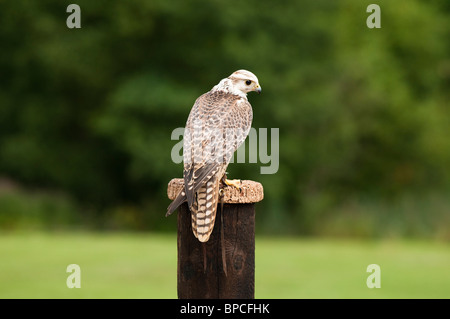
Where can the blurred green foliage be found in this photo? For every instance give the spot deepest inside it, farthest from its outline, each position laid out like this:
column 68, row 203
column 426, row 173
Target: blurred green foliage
column 32, row 211
column 363, row 113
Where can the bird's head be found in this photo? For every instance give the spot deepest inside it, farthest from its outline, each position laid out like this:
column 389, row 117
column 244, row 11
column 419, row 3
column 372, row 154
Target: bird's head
column 245, row 81
column 240, row 83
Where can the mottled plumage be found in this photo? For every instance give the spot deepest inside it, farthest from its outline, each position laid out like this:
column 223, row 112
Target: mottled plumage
column 217, row 125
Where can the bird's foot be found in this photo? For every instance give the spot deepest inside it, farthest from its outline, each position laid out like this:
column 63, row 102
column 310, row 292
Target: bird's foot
column 236, row 183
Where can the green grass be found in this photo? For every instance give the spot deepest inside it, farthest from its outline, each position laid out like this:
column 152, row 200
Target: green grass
column 337, row 269
column 124, row 265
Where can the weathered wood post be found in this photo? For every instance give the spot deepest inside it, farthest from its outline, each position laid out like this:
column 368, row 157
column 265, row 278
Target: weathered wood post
column 195, row 282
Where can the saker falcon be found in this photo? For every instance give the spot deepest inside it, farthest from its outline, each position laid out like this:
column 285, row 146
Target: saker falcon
column 218, row 124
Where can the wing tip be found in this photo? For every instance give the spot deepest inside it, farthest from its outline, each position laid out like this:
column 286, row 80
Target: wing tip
column 180, row 199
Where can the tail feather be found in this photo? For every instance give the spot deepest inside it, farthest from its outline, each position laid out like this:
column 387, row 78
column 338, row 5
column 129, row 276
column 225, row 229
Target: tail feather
column 203, row 209
column 203, row 213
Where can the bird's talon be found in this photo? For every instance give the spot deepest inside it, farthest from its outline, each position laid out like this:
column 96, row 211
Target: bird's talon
column 236, row 183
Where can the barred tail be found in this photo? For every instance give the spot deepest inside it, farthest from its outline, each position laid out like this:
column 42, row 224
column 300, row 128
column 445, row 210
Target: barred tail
column 203, row 212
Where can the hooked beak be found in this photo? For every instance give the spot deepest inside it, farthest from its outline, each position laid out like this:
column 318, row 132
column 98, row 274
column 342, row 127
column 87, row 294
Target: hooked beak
column 258, row 89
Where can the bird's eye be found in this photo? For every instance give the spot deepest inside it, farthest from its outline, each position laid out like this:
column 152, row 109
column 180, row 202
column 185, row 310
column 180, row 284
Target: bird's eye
column 248, row 82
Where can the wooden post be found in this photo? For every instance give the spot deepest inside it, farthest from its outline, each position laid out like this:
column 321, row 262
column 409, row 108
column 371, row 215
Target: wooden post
column 194, row 282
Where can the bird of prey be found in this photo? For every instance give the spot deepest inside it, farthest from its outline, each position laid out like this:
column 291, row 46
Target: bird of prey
column 218, row 124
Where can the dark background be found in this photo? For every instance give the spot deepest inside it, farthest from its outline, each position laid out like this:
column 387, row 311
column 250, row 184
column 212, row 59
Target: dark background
column 86, row 115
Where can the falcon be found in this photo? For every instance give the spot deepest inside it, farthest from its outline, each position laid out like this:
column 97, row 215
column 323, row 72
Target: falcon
column 218, row 124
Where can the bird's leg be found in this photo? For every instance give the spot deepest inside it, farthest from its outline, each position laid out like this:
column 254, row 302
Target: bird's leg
column 222, row 236
column 231, row 182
